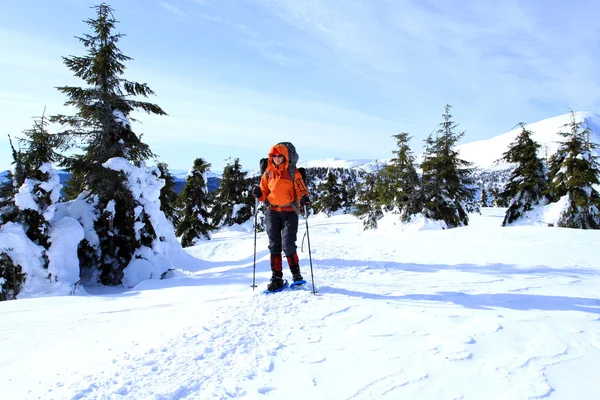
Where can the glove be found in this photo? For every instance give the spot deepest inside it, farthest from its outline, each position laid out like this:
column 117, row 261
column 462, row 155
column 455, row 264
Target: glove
column 304, row 200
column 256, row 192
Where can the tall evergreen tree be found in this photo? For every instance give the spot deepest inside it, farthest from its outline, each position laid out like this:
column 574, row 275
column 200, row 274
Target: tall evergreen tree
column 403, row 181
column 232, row 201
column 527, row 184
column 574, row 171
column 195, row 221
column 331, row 194
column 168, row 196
column 102, row 127
column 447, row 182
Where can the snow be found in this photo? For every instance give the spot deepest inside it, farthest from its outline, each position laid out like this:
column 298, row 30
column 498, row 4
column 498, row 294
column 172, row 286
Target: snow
column 25, row 198
column 64, row 263
column 73, row 221
column 120, row 118
column 82, row 210
column 485, row 153
column 481, row 311
column 145, row 183
column 24, row 253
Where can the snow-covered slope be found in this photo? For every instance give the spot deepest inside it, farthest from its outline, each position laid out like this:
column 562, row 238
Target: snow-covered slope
column 485, row 153
column 468, row 313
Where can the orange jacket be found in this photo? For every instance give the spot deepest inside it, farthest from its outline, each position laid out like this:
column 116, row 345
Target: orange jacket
column 276, row 184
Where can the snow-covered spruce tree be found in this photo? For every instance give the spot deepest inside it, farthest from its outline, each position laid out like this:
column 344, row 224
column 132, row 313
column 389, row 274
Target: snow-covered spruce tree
column 101, row 126
column 233, row 203
column 194, row 220
column 368, row 205
column 28, row 200
column 402, row 192
column 39, row 184
column 447, row 183
column 168, row 196
column 527, row 184
column 574, row 171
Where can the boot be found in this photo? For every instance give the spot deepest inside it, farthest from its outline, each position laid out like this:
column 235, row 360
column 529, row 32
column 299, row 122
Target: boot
column 294, row 264
column 277, row 282
column 277, row 268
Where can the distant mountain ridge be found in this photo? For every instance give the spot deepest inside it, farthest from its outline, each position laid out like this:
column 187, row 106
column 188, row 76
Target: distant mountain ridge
column 484, row 154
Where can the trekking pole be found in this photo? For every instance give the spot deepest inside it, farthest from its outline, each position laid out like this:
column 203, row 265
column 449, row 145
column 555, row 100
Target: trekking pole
column 255, row 229
column 309, row 255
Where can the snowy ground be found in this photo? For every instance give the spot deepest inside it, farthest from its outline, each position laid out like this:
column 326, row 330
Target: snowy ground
column 481, row 312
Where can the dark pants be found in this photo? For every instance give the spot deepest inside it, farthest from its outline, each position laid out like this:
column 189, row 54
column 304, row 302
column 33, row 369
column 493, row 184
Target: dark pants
column 282, row 228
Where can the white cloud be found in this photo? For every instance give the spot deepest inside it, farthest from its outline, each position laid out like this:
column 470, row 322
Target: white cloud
column 508, row 60
column 173, row 9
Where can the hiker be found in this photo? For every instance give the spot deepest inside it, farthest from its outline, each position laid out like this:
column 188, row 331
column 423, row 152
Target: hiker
column 284, row 200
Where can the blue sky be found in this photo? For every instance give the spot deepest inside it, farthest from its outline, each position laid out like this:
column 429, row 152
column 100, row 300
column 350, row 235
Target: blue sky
column 335, row 77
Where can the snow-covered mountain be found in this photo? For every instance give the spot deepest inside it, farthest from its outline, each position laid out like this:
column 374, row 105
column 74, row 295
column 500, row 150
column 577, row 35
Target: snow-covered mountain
column 334, row 163
column 485, row 153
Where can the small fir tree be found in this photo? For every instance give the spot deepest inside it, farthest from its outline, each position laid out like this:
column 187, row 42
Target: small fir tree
column 574, row 172
column 367, row 204
column 39, row 184
column 497, row 199
column 483, row 201
column 331, row 195
column 447, row 182
column 527, row 184
column 233, row 203
column 195, row 220
column 168, row 196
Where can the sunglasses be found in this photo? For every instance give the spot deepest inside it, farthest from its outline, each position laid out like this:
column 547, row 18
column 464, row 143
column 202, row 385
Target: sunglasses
column 278, row 155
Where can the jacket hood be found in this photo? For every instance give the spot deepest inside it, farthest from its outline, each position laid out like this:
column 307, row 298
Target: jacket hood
column 279, row 149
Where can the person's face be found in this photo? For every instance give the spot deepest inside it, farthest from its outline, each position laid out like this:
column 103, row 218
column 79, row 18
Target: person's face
column 278, row 159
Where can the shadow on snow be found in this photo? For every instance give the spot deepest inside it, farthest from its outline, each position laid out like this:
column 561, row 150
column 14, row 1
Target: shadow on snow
column 512, row 301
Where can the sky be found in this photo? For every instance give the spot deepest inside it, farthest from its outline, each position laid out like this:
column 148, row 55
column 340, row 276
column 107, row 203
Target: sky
column 406, row 311
column 336, row 78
